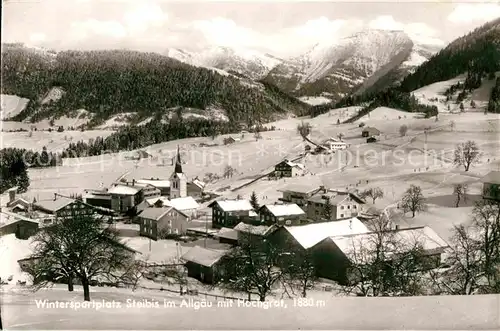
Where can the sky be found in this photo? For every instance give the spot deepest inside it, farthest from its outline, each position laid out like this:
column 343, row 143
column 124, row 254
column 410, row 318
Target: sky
column 281, row 28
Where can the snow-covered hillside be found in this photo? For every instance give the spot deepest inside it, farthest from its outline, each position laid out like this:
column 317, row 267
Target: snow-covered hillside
column 346, row 64
column 250, row 63
column 11, row 105
column 314, row 101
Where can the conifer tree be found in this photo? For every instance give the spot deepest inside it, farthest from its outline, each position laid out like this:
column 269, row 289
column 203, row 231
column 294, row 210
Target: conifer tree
column 253, row 201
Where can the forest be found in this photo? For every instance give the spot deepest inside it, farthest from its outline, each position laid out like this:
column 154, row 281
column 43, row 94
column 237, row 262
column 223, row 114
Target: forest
column 106, row 83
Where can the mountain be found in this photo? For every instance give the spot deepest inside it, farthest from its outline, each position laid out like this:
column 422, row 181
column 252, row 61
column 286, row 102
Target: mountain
column 341, row 68
column 250, row 63
column 107, row 83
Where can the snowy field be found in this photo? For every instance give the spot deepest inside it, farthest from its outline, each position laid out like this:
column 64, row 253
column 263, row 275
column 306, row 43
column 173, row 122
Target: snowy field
column 54, row 141
column 315, row 101
column 169, row 312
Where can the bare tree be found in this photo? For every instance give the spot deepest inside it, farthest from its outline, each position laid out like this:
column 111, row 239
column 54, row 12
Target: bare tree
column 460, row 191
column 80, row 246
column 373, row 193
column 252, row 266
column 299, row 270
column 413, row 200
column 228, row 172
column 384, row 263
column 464, row 273
column 486, row 221
column 466, row 154
column 403, row 129
column 304, row 129
column 340, row 136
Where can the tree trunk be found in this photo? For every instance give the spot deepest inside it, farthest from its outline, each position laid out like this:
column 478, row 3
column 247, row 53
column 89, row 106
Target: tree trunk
column 86, row 289
column 374, row 200
column 70, row 283
column 413, row 213
column 458, row 202
column 249, row 296
column 467, row 167
column 262, row 297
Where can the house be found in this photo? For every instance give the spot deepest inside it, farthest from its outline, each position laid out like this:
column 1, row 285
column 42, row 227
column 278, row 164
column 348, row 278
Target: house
column 343, row 205
column 491, row 186
column 334, row 145
column 202, row 263
column 370, row 132
column 284, row 214
column 137, row 155
column 161, row 184
column 227, row 236
column 334, row 256
column 298, row 194
column 22, row 226
column 288, row 169
column 195, row 188
column 306, row 236
column 244, row 229
column 228, row 213
column 158, row 222
column 97, row 198
column 186, row 205
column 125, row 196
column 63, row 207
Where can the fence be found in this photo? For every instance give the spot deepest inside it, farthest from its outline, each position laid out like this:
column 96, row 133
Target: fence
column 197, row 293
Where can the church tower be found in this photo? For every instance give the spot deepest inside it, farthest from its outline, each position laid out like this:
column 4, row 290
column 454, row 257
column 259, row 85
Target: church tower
column 178, row 180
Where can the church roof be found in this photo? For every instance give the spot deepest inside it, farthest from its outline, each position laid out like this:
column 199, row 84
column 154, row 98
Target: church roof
column 178, row 162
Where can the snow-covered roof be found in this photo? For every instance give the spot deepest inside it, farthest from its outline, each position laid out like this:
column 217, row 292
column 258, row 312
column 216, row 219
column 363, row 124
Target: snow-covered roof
column 203, row 256
column 233, row 205
column 299, row 188
column 227, row 233
column 403, row 239
column 159, row 183
column 185, row 203
column 492, row 177
column 311, row 234
column 97, row 195
column 123, row 190
column 7, row 218
column 285, row 209
column 154, row 213
column 293, row 164
column 198, row 183
column 261, row 230
column 54, row 205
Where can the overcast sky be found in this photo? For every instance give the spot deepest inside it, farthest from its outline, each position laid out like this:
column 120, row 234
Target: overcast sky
column 278, row 27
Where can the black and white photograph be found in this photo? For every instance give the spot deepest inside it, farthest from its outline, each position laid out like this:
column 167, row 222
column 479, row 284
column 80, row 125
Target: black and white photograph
column 250, row 165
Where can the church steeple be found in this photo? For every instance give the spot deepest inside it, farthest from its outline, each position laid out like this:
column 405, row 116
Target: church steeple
column 178, row 162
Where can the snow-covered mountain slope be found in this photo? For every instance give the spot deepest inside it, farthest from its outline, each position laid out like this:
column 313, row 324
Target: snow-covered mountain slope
column 342, row 67
column 250, row 63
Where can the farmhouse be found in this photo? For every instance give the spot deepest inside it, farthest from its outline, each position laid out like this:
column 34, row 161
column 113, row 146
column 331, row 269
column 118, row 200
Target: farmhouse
column 16, row 204
column 159, row 222
column 244, row 229
column 306, row 236
column 285, row 214
column 370, row 132
column 202, row 263
column 97, row 198
column 64, row 207
column 288, row 169
column 491, row 186
column 334, row 145
column 22, row 227
column 227, row 236
column 334, row 255
column 161, row 184
column 186, row 205
column 298, row 194
column 195, row 188
column 228, row 213
column 127, row 195
column 342, row 205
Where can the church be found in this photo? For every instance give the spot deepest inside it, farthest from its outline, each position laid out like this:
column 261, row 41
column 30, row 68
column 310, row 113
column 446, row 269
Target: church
column 180, row 187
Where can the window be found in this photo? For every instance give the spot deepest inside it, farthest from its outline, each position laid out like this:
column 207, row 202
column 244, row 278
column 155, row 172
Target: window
column 341, row 207
column 354, row 207
column 348, row 207
column 341, row 215
column 288, row 222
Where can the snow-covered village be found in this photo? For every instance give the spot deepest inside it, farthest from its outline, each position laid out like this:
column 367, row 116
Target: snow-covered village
column 342, row 182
